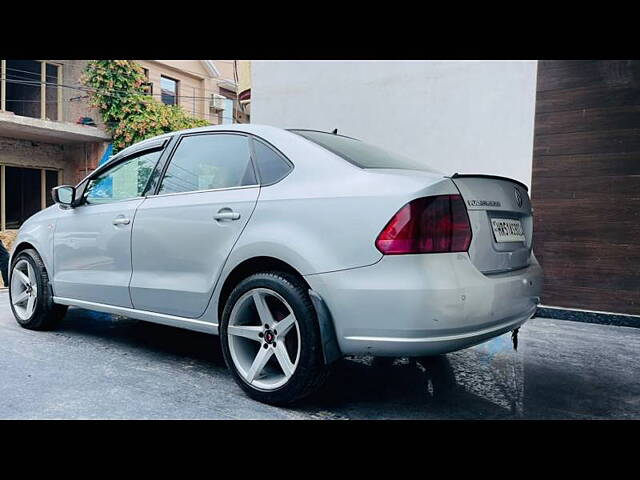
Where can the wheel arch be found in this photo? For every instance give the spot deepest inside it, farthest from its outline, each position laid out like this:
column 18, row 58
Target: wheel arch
column 330, row 349
column 248, row 267
column 27, row 244
column 24, row 245
column 19, row 248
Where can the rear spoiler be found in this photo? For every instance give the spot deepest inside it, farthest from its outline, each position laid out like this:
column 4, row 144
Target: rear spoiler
column 495, row 177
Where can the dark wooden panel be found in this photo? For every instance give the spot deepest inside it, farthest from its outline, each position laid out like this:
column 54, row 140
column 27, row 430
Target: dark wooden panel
column 606, row 189
column 584, row 165
column 569, row 74
column 588, row 120
column 591, row 298
column 588, row 97
column 590, row 264
column 604, row 269
column 586, row 184
column 608, row 141
column 563, row 220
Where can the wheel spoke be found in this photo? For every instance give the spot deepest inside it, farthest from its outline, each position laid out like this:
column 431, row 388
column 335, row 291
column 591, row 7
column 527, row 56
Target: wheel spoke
column 246, row 331
column 283, row 359
column 263, row 356
column 31, row 274
column 284, row 326
column 30, row 305
column 263, row 309
column 21, row 276
column 21, row 298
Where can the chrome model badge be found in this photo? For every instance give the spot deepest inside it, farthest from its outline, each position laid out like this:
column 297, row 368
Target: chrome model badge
column 483, row 203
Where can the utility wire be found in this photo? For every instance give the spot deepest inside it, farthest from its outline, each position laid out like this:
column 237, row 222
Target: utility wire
column 38, row 81
column 208, row 115
column 90, row 90
column 38, row 74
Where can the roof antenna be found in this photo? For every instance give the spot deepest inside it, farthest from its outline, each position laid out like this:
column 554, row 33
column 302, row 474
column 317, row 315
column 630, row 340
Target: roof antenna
column 335, row 131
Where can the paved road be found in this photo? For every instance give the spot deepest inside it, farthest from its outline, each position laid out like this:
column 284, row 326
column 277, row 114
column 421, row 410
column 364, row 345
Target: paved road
column 103, row 366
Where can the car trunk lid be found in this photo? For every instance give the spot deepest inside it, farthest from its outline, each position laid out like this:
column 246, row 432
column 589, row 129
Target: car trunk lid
column 500, row 213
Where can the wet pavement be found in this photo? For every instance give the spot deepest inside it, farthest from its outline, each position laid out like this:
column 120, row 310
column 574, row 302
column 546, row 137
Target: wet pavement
column 102, row 366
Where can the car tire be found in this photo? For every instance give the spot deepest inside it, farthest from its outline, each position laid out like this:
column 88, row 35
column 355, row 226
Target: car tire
column 284, row 295
column 29, row 277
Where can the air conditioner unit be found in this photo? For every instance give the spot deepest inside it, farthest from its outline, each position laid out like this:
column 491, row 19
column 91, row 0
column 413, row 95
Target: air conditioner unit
column 217, row 101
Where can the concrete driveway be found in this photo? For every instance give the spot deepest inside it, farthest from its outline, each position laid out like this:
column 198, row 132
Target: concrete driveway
column 102, row 366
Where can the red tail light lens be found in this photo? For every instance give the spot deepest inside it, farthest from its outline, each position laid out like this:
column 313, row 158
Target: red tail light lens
column 427, row 225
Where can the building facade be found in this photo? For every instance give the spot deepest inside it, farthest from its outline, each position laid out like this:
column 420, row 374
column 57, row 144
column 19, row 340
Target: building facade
column 207, row 89
column 567, row 129
column 49, row 135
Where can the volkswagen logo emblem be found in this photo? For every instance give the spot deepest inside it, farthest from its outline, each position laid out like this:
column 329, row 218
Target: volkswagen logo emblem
column 518, row 198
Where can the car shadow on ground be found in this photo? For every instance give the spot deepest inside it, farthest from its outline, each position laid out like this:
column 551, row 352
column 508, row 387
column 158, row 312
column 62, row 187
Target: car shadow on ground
column 358, row 387
column 369, row 387
column 159, row 340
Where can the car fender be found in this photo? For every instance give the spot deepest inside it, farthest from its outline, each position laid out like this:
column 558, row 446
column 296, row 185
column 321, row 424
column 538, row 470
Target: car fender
column 38, row 231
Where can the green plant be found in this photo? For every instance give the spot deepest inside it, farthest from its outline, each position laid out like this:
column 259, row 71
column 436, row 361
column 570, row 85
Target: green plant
column 115, row 89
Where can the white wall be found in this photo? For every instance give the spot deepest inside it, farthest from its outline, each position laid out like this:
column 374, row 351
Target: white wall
column 457, row 116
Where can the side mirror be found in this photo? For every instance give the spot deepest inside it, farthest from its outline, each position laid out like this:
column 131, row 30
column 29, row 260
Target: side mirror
column 64, row 195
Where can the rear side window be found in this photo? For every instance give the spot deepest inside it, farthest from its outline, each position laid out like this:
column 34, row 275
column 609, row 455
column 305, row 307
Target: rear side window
column 272, row 167
column 361, row 154
column 207, row 162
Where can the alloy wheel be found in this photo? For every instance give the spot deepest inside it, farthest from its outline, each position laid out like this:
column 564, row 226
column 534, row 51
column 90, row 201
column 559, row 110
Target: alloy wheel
column 264, row 339
column 24, row 289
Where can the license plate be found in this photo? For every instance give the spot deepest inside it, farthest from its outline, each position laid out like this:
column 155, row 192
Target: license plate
column 507, row 230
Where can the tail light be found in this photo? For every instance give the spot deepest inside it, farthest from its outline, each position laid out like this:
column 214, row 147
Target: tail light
column 427, row 225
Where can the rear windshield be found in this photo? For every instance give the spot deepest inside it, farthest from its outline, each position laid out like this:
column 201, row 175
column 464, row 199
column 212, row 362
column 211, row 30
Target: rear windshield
column 361, row 154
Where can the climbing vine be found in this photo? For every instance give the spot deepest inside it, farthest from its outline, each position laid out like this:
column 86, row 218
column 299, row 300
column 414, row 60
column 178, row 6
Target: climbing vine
column 116, row 89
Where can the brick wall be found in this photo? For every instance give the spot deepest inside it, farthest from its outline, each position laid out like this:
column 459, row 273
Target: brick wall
column 75, row 160
column 25, row 153
column 78, row 107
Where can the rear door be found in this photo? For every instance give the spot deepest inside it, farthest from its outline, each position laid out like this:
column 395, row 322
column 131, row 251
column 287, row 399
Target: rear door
column 184, row 233
column 92, row 242
column 501, row 222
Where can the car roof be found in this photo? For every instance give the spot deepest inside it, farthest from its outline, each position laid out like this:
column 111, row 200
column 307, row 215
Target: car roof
column 256, row 129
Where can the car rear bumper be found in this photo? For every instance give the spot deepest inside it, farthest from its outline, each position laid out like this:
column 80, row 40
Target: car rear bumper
column 415, row 305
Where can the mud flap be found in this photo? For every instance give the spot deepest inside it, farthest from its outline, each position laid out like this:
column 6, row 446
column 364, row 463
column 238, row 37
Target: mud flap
column 514, row 338
column 330, row 349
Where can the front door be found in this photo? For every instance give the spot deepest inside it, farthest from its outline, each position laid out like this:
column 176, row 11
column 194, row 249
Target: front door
column 183, row 235
column 92, row 242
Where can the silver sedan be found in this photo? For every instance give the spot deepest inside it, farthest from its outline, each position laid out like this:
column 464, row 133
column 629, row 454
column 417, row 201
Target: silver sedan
column 297, row 247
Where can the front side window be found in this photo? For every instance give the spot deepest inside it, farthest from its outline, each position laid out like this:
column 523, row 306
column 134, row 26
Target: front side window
column 207, row 162
column 123, row 181
column 168, row 90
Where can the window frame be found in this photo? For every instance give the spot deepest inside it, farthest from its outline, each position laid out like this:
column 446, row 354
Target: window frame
column 147, row 85
column 43, row 88
column 177, row 93
column 43, row 187
column 82, row 197
column 176, row 143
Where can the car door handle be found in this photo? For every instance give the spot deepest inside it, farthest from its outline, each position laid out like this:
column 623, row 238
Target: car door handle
column 226, row 215
column 121, row 221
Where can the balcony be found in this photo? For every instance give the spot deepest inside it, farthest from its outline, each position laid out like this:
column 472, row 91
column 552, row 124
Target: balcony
column 50, row 131
column 35, row 101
